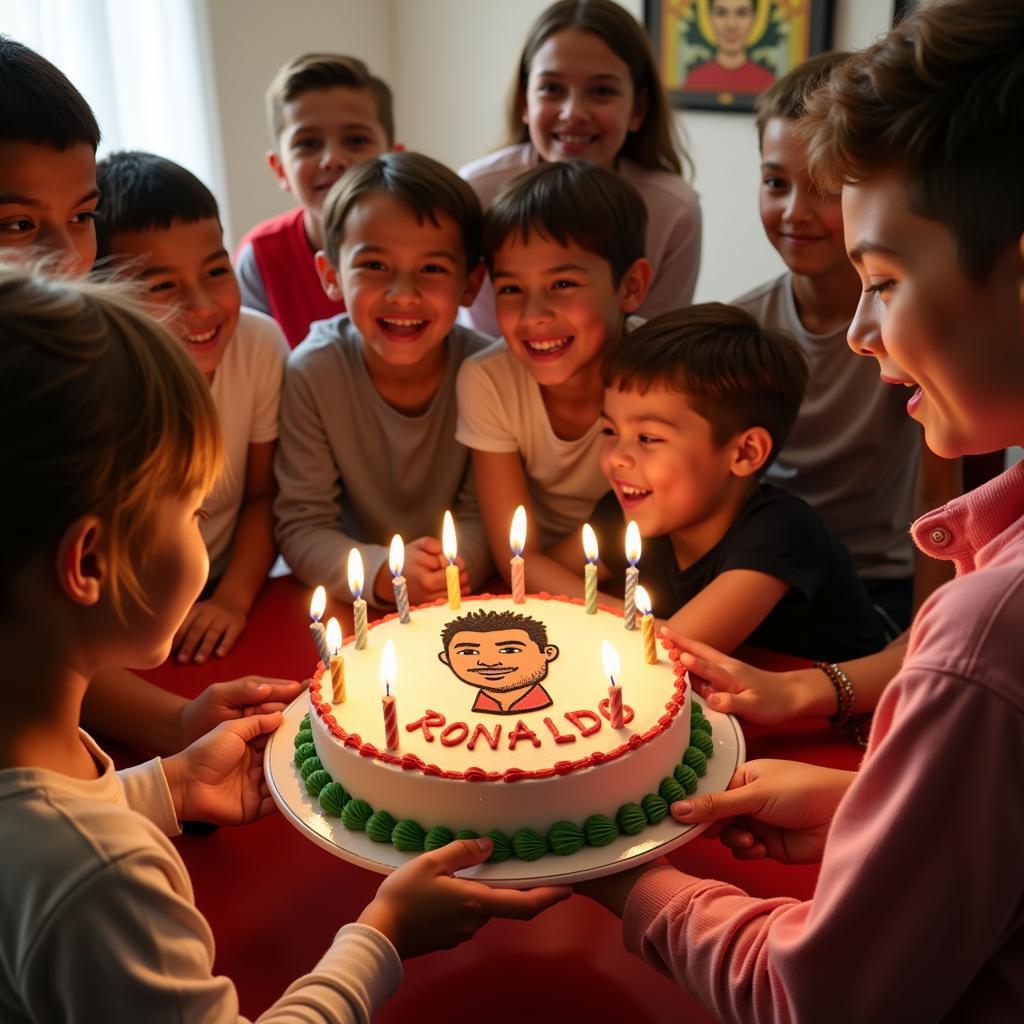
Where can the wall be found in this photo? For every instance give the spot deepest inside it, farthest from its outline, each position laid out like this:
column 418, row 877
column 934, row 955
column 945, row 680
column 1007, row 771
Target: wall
column 449, row 63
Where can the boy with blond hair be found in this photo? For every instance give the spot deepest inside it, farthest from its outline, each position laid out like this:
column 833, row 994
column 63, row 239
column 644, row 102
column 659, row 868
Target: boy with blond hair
column 368, row 409
column 325, row 112
column 853, row 453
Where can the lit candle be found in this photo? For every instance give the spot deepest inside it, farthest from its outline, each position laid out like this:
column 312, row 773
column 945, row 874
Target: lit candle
column 610, row 657
column 517, row 541
column 388, row 671
column 316, row 628
column 355, row 584
column 397, row 563
column 590, row 570
column 337, row 662
column 643, row 606
column 451, row 551
column 632, row 572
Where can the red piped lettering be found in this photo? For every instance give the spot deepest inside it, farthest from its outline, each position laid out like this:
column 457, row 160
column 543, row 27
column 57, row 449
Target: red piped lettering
column 577, row 717
column 491, row 737
column 627, row 711
column 454, row 734
column 522, row 732
column 432, row 719
column 559, row 737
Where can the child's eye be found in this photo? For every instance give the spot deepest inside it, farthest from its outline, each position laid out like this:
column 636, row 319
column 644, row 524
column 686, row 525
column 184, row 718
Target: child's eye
column 648, row 439
column 508, row 289
column 306, row 144
column 605, row 91
column 17, row 226
column 608, row 431
column 435, row 268
column 563, row 283
column 549, row 88
column 219, row 271
column 370, row 265
column 161, row 286
column 84, row 217
column 880, row 288
column 775, row 184
column 358, row 141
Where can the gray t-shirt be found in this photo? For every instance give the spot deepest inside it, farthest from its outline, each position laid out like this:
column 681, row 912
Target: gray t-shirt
column 853, row 454
column 352, row 471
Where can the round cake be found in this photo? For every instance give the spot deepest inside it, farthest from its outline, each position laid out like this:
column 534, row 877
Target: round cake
column 503, row 728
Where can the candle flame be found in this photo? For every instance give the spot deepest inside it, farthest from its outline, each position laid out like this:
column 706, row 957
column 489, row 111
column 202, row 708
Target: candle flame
column 610, row 659
column 643, row 601
column 396, row 557
column 318, row 603
column 448, row 543
column 589, row 543
column 632, row 543
column 517, row 534
column 333, row 635
column 388, row 666
column 355, row 573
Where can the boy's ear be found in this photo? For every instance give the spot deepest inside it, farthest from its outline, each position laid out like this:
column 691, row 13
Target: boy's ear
column 634, row 285
column 277, row 169
column 82, row 561
column 474, row 279
column 751, row 449
column 640, row 107
column 328, row 274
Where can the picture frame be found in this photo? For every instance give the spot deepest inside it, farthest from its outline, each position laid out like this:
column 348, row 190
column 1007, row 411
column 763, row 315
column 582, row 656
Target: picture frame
column 721, row 54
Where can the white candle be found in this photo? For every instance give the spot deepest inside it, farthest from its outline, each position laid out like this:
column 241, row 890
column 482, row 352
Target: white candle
column 316, row 610
column 517, row 541
column 397, row 563
column 590, row 570
column 632, row 573
column 610, row 657
column 388, row 674
column 355, row 584
column 451, row 551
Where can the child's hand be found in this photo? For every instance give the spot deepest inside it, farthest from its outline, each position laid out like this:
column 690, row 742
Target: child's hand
column 735, row 688
column 421, row 908
column 777, row 809
column 239, row 698
column 425, row 572
column 214, row 624
column 219, row 778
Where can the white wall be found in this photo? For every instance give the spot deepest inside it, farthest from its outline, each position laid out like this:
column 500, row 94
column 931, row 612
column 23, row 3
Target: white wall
column 449, row 63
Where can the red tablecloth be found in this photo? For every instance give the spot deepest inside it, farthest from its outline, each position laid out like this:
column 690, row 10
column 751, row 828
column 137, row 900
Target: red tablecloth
column 274, row 900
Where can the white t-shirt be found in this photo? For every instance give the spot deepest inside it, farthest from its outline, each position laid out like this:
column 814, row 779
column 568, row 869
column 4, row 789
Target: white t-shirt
column 246, row 390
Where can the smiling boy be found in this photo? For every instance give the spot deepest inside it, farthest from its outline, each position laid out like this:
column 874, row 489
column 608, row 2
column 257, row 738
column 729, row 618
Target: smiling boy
column 368, row 409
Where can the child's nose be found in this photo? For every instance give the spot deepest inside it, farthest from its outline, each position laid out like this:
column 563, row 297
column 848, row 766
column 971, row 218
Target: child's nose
column 865, row 332
column 536, row 308
column 402, row 288
column 334, row 157
column 574, row 106
column 796, row 208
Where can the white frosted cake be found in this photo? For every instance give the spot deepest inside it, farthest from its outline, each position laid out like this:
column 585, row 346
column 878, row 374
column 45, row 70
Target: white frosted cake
column 503, row 728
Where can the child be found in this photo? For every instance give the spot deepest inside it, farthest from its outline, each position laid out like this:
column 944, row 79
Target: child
column 48, row 196
column 325, row 112
column 165, row 221
column 368, row 444
column 853, row 455
column 109, row 439
column 587, row 85
column 697, row 404
column 918, row 913
column 564, row 244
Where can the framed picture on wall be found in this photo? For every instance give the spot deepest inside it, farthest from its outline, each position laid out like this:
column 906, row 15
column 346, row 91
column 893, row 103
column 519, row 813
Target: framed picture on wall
column 719, row 54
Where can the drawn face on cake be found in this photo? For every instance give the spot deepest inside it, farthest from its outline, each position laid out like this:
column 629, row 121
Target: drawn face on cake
column 504, row 655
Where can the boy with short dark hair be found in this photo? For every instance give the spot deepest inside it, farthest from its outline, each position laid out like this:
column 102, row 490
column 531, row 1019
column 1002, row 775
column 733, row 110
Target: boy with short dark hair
column 853, row 453
column 164, row 221
column 697, row 404
column 368, row 409
column 325, row 112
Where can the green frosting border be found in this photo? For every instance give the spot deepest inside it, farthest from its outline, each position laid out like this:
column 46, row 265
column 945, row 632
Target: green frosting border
column 409, row 836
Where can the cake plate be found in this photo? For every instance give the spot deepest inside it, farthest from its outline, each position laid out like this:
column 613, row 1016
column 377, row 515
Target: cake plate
column 303, row 811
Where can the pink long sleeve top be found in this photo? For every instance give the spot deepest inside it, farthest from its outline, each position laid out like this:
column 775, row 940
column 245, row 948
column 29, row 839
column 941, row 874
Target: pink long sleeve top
column 918, row 914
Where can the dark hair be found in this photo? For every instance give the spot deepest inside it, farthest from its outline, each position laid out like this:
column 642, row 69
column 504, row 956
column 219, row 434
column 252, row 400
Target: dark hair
column 654, row 144
column 143, row 192
column 324, row 71
column 939, row 100
column 39, row 103
column 735, row 373
column 785, row 99
column 571, row 200
column 490, row 622
column 421, row 183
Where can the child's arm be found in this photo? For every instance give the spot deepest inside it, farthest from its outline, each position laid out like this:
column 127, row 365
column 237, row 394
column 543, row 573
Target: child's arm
column 729, row 608
column 938, row 481
column 218, row 622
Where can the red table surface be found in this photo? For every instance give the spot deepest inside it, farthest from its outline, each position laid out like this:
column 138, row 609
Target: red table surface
column 275, row 900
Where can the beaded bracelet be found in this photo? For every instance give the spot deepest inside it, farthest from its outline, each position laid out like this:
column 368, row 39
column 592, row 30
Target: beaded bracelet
column 844, row 693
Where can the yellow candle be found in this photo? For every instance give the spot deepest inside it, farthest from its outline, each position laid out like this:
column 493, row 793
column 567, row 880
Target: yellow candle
column 451, row 551
column 337, row 662
column 643, row 606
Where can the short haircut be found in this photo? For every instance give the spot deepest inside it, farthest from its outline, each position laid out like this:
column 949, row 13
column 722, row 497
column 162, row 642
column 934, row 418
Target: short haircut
column 145, row 192
column 101, row 412
column 785, row 99
column 491, row 622
column 938, row 99
column 325, row 71
column 571, row 200
column 734, row 373
column 421, row 183
column 38, row 103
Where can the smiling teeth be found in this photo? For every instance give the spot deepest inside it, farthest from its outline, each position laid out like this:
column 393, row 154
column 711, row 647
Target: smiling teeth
column 198, row 339
column 575, row 140
column 395, row 322
column 553, row 345
column 632, row 492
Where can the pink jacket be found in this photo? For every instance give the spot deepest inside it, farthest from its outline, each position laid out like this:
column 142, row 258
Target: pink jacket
column 918, row 914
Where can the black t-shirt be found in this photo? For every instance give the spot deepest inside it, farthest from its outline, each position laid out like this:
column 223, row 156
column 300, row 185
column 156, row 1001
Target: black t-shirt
column 826, row 615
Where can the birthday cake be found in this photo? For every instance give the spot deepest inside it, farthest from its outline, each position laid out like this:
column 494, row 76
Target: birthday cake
column 502, row 725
